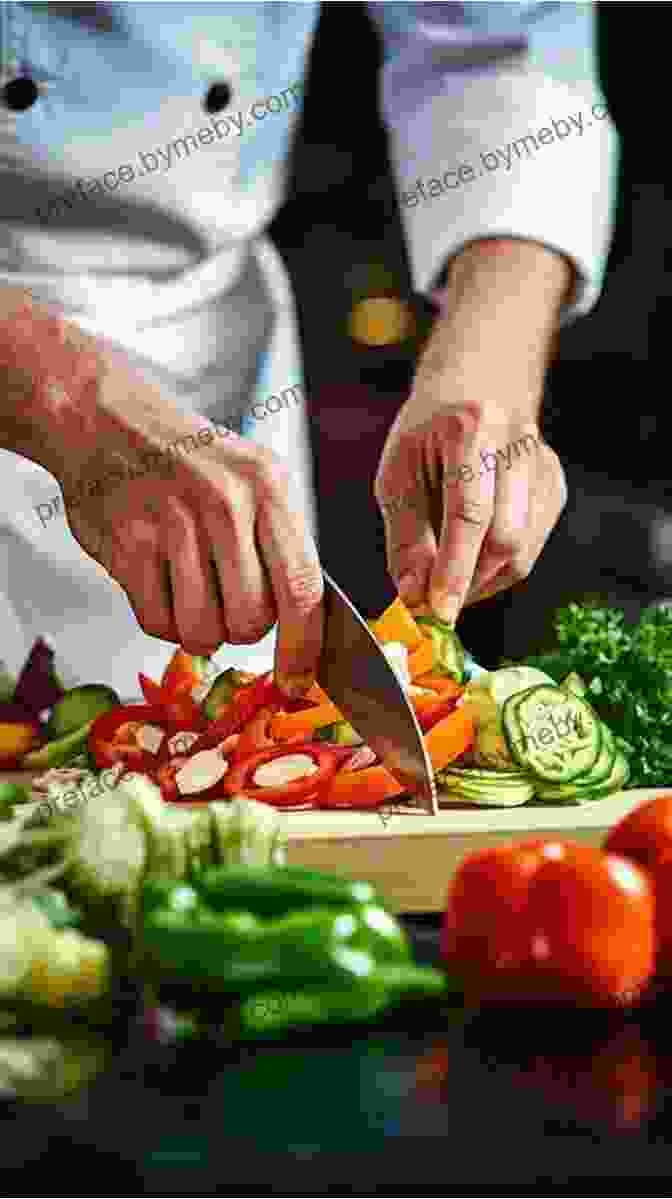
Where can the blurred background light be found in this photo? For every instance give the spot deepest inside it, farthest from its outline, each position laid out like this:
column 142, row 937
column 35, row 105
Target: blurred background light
column 381, row 321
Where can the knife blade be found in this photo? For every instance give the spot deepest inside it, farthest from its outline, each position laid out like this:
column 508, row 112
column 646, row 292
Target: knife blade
column 356, row 675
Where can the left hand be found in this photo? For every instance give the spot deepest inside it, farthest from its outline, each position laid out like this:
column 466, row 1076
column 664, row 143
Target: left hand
column 468, row 490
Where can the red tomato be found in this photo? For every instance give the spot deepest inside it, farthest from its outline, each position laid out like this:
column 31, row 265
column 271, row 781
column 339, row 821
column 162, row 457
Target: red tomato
column 645, row 835
column 592, row 924
column 485, row 936
column 551, row 921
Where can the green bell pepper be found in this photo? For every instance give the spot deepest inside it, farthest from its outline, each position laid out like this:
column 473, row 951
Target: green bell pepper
column 278, row 890
column 238, row 953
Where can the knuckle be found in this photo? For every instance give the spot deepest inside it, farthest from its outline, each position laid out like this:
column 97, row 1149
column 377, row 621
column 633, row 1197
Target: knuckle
column 271, row 474
column 304, row 587
column 473, row 512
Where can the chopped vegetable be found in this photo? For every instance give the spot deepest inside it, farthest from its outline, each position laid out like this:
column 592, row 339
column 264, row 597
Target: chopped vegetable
column 318, row 762
column 339, row 733
column 38, row 687
column 421, row 660
column 368, row 788
column 287, row 726
column 450, row 738
column 79, row 706
column 58, row 753
column 182, row 674
column 448, row 651
column 223, row 690
column 19, row 733
column 397, row 624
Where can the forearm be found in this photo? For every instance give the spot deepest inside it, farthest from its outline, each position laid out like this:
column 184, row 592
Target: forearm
column 48, row 369
column 70, row 401
column 499, row 317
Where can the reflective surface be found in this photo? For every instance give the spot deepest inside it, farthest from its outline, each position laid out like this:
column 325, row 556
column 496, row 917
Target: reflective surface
column 434, row 1102
column 359, row 679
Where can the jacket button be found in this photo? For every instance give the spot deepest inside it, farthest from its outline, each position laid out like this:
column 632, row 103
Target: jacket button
column 20, row 93
column 217, row 97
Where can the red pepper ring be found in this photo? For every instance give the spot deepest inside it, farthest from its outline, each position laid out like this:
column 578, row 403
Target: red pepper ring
column 239, row 780
column 110, row 742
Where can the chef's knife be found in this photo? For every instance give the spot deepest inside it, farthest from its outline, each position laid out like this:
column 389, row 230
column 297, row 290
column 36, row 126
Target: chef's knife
column 356, row 675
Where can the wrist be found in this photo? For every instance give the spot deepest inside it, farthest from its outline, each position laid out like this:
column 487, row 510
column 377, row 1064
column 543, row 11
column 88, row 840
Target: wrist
column 499, row 315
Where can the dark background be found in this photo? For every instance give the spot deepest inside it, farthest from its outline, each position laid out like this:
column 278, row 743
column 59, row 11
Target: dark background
column 606, row 410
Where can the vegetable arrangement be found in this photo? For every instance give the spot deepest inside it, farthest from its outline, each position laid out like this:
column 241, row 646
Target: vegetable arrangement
column 553, row 921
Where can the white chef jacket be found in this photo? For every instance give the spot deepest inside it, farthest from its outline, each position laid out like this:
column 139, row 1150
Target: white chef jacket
column 135, row 191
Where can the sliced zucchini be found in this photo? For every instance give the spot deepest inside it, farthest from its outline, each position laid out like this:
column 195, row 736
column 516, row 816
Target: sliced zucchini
column 448, row 651
column 575, row 793
column 574, row 685
column 490, row 795
column 538, row 742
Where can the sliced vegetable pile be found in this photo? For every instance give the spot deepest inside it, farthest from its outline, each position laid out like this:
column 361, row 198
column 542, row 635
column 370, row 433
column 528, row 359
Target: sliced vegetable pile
column 502, row 738
column 552, row 921
column 628, row 677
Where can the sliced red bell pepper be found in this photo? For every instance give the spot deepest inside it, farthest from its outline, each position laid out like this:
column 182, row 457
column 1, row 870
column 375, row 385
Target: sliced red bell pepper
column 246, row 702
column 239, row 781
column 176, row 704
column 255, row 736
column 113, row 736
column 164, row 777
column 435, row 710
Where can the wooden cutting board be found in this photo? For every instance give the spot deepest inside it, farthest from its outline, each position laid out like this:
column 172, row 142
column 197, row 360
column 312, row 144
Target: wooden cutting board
column 411, row 857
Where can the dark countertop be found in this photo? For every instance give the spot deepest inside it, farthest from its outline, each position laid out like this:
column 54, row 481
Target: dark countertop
column 434, row 1102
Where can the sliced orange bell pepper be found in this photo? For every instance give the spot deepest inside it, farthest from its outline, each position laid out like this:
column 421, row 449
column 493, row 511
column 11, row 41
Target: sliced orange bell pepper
column 443, row 686
column 367, row 788
column 449, row 738
column 180, row 674
column 421, row 660
column 287, row 725
column 397, row 624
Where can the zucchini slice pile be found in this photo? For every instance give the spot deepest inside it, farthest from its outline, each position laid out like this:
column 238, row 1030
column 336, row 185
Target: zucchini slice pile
column 563, row 753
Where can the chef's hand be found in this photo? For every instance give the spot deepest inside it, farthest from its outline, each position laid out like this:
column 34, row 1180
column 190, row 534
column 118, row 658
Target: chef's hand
column 468, row 490
column 208, row 541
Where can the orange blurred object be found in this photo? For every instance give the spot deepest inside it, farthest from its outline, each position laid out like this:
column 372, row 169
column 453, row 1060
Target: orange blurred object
column 397, row 624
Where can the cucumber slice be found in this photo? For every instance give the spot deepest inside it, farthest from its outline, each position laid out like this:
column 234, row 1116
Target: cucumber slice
column 574, row 793
column 599, row 774
column 473, row 774
column 492, row 795
column 539, row 743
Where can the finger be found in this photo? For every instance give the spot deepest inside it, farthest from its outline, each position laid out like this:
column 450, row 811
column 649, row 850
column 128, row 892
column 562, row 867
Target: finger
column 410, row 545
column 241, row 586
column 291, row 559
column 149, row 592
column 468, row 510
column 198, row 614
column 511, row 530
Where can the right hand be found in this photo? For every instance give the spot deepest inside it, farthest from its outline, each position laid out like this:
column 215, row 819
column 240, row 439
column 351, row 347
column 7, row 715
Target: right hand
column 215, row 550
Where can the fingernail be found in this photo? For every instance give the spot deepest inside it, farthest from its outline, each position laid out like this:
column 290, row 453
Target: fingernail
column 446, row 606
column 409, row 589
column 295, row 686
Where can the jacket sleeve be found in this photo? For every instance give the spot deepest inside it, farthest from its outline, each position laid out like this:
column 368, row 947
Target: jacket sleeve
column 498, row 127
